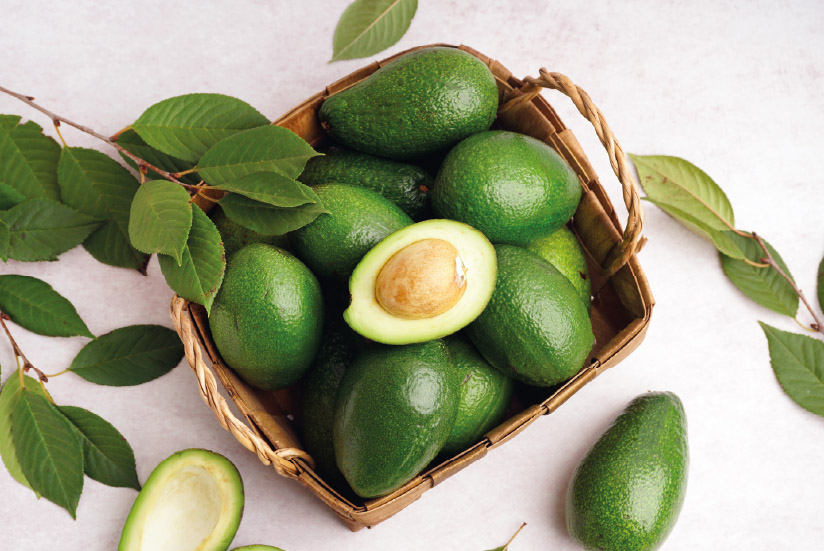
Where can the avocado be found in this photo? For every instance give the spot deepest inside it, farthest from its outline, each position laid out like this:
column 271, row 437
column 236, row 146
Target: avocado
column 404, row 184
column 358, row 219
column 235, row 236
column 192, row 501
column 561, row 249
column 421, row 102
column 393, row 412
column 421, row 283
column 510, row 186
column 267, row 318
column 257, row 548
column 535, row 327
column 485, row 395
column 628, row 490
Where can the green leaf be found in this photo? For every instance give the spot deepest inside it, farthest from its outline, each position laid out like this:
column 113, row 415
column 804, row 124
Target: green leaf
column 264, row 149
column 198, row 278
column 42, row 229
column 763, row 285
column 9, row 121
column 267, row 219
column 820, row 284
column 9, row 197
column 99, row 186
column 160, row 218
column 107, row 456
column 50, row 454
column 682, row 185
column 29, row 161
column 273, row 188
column 130, row 141
column 368, row 27
column 186, row 126
column 129, row 356
column 505, row 547
column 4, row 241
column 9, row 397
column 34, row 305
column 798, row 362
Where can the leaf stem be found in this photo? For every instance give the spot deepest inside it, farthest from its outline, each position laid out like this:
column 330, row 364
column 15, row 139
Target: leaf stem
column 514, row 535
column 18, row 354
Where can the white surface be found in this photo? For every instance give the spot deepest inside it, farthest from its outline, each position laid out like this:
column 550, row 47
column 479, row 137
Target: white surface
column 733, row 86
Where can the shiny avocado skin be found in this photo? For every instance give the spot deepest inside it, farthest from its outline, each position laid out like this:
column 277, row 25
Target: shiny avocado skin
column 535, row 328
column 628, row 490
column 393, row 412
column 422, row 102
column 561, row 249
column 404, row 184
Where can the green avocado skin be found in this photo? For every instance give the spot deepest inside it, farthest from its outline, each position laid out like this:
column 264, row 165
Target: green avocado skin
column 561, row 249
column 333, row 244
column 267, row 318
column 404, row 184
column 235, row 236
column 485, row 394
column 393, row 412
column 628, row 490
column 535, row 327
column 422, row 102
column 511, row 187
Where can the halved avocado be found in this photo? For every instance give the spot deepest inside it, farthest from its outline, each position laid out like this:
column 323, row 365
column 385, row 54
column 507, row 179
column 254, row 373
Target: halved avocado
column 192, row 501
column 423, row 282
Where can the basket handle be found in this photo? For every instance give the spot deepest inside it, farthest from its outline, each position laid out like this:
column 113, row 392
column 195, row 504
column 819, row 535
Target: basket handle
column 632, row 241
column 283, row 459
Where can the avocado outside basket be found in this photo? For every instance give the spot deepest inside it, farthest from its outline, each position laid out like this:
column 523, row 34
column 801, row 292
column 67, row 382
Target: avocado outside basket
column 621, row 309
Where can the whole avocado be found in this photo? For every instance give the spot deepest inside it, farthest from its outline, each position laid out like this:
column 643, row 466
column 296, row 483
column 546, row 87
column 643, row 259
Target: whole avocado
column 424, row 101
column 393, row 412
column 628, row 490
column 510, row 186
column 267, row 318
column 235, row 236
column 535, row 327
column 561, row 249
column 404, row 184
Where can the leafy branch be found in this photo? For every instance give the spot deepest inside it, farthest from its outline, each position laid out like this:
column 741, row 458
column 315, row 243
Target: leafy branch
column 18, row 353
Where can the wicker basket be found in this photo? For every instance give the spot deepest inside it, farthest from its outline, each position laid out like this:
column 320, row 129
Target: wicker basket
column 621, row 308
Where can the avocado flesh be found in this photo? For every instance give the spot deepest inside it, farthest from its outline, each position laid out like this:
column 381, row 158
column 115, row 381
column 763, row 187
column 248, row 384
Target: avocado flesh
column 366, row 315
column 192, row 501
column 628, row 490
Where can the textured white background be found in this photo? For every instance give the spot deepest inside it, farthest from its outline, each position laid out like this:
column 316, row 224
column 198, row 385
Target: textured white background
column 734, row 86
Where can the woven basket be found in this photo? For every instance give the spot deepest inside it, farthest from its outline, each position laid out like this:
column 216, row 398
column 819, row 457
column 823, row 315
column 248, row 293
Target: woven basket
column 621, row 308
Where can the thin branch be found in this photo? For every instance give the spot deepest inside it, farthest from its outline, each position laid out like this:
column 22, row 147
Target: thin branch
column 768, row 259
column 18, row 354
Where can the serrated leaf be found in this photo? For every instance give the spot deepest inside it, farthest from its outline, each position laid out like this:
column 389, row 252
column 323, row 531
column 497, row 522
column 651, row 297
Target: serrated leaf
column 129, row 356
column 107, row 456
column 29, row 161
column 160, row 218
column 763, row 285
column 682, row 185
column 34, row 305
column 820, row 285
column 42, row 229
column 264, row 149
column 9, row 196
column 199, row 276
column 368, row 27
column 9, row 397
column 50, row 454
column 97, row 185
column 267, row 219
column 132, row 142
column 272, row 188
column 798, row 362
column 187, row 126
column 9, row 121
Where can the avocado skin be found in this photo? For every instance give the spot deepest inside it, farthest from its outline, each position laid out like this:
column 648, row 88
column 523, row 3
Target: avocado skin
column 235, row 236
column 485, row 393
column 535, row 328
column 267, row 318
column 561, row 249
column 394, row 410
column 333, row 244
column 421, row 102
column 628, row 490
column 512, row 187
column 404, row 184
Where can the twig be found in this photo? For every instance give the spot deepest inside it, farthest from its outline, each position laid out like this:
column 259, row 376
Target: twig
column 57, row 120
column 768, row 259
column 18, row 354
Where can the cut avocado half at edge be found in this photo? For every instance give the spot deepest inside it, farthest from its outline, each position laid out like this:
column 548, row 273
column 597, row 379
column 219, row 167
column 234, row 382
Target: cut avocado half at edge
column 192, row 501
column 423, row 282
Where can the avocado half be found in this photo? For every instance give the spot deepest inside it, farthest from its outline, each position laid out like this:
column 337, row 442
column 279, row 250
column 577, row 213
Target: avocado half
column 422, row 282
column 192, row 501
